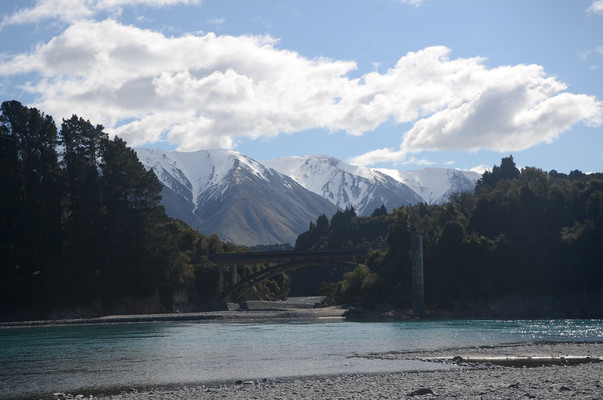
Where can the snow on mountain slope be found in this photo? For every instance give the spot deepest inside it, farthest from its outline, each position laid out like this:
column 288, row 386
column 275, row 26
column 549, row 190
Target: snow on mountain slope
column 345, row 185
column 198, row 171
column 225, row 192
column 246, row 202
column 435, row 185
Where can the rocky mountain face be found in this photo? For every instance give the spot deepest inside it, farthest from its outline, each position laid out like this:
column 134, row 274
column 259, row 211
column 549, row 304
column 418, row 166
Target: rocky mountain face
column 346, row 185
column 435, row 185
column 251, row 203
column 224, row 192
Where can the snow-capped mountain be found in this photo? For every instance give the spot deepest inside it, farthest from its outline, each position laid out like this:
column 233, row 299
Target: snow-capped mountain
column 346, row 185
column 251, row 203
column 225, row 192
column 435, row 185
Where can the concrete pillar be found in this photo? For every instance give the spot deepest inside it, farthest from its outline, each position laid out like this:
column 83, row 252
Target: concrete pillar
column 244, row 272
column 220, row 278
column 233, row 274
column 416, row 260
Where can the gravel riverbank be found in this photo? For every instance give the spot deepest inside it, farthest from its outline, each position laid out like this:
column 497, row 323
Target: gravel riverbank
column 297, row 308
column 476, row 375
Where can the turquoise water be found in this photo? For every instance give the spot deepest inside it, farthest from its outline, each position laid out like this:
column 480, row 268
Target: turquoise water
column 80, row 359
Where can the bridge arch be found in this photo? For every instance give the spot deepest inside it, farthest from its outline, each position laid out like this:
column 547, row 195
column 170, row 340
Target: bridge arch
column 284, row 260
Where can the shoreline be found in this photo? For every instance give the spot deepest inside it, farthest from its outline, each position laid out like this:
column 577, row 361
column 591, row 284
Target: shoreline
column 244, row 312
column 478, row 378
column 293, row 309
column 334, row 313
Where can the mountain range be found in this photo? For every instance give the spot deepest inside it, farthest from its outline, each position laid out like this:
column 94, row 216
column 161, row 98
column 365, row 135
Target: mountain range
column 251, row 203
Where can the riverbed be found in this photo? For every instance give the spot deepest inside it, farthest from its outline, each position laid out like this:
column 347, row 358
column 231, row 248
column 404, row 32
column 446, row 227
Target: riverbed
column 112, row 358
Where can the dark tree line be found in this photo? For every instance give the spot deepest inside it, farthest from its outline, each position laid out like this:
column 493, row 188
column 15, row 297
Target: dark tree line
column 80, row 220
column 520, row 233
column 345, row 230
column 80, row 216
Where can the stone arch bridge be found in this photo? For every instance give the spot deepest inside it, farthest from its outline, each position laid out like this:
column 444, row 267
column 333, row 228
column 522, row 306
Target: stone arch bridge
column 276, row 262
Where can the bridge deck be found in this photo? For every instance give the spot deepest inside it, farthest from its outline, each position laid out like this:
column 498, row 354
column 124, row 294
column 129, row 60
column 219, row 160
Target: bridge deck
column 282, row 256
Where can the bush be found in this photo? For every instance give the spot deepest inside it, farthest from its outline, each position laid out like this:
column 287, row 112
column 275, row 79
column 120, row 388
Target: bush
column 358, row 285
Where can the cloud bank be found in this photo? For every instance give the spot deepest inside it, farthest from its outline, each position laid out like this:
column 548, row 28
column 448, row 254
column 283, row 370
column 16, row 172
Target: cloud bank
column 76, row 10
column 206, row 91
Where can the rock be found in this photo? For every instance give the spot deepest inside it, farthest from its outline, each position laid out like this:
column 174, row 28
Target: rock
column 564, row 389
column 458, row 359
column 239, row 382
column 58, row 395
column 420, row 392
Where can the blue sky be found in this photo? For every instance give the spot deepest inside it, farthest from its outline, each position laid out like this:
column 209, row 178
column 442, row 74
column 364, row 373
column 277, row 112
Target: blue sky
column 386, row 83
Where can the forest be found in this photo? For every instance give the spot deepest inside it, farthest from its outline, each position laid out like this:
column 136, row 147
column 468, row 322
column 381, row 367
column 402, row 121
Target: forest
column 525, row 234
column 81, row 225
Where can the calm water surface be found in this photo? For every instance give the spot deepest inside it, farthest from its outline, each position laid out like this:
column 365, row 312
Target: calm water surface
column 38, row 361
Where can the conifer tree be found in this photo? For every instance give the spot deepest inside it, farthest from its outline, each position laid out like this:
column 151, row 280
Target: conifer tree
column 82, row 143
column 31, row 203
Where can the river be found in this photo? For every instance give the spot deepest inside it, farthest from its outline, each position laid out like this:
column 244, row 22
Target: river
column 102, row 358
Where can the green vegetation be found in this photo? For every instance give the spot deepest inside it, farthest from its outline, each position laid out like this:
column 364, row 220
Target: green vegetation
column 521, row 233
column 345, row 230
column 80, row 222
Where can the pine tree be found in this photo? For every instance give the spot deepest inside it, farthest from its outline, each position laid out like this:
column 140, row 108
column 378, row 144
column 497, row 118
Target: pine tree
column 135, row 254
column 31, row 202
column 82, row 143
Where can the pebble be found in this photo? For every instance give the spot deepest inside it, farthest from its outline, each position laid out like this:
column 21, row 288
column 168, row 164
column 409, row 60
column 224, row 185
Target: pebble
column 512, row 383
column 476, row 381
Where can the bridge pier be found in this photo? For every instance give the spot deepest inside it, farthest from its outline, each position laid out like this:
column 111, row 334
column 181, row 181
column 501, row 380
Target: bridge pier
column 233, row 274
column 416, row 259
column 220, row 277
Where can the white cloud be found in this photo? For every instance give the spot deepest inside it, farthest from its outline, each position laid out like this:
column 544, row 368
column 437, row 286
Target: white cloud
column 197, row 90
column 596, row 7
column 204, row 91
column 65, row 10
column 586, row 54
column 415, row 3
column 75, row 10
column 217, row 21
column 462, row 105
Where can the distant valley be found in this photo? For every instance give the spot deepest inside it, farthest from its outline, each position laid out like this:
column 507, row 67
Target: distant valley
column 252, row 203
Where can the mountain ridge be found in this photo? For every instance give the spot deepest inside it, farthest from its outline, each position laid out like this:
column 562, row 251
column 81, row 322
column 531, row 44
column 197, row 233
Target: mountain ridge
column 428, row 185
column 251, row 203
column 345, row 185
column 435, row 185
column 225, row 192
